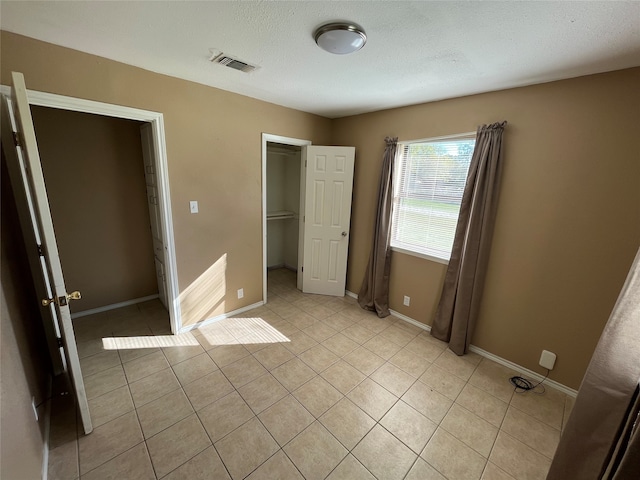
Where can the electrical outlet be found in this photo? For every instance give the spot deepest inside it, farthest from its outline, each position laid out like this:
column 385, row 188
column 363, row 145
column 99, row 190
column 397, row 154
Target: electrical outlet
column 240, row 292
column 407, row 301
column 193, row 206
column 547, row 359
column 35, row 408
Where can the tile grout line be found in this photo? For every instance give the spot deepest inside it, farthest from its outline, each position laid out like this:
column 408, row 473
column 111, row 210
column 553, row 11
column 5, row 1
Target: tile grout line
column 244, row 423
column 256, row 416
column 135, row 409
column 316, row 419
column 128, row 383
column 493, row 445
column 194, row 412
column 119, row 416
column 439, row 425
column 398, row 399
column 340, row 330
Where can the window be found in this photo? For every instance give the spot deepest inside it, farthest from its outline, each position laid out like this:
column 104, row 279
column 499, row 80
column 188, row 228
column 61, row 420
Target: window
column 429, row 180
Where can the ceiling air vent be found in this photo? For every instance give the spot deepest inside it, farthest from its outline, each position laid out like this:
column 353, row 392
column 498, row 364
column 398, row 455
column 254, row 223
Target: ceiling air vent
column 231, row 62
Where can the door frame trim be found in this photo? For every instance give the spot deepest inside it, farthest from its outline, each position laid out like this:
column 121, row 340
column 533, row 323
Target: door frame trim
column 268, row 137
column 156, row 119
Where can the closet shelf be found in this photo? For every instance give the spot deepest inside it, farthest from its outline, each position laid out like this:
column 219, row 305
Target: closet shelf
column 280, row 215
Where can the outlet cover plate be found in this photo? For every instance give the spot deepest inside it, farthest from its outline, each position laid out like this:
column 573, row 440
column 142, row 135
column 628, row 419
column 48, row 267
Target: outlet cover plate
column 407, row 301
column 547, row 359
column 240, row 292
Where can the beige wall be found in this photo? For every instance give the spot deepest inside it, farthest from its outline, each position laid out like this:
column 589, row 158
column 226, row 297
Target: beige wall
column 24, row 364
column 568, row 222
column 213, row 147
column 95, row 183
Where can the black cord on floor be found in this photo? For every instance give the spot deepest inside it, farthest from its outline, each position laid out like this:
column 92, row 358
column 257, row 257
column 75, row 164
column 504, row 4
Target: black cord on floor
column 523, row 385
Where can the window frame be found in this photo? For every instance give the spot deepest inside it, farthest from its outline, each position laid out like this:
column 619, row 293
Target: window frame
column 395, row 184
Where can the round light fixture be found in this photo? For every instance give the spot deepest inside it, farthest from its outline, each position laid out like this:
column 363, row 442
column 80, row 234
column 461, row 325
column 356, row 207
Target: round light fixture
column 340, row 38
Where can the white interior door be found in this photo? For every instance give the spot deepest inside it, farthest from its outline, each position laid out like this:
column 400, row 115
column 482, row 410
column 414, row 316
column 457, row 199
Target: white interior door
column 32, row 184
column 31, row 238
column 327, row 216
column 148, row 156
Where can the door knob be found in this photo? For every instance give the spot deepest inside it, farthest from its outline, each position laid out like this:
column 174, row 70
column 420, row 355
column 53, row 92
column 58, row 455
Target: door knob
column 74, row 295
column 60, row 301
column 344, row 234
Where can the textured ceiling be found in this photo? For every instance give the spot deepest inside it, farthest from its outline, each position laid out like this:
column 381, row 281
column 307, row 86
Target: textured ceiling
column 416, row 51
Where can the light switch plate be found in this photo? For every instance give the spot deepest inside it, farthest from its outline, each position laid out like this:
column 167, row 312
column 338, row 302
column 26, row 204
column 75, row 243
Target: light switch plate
column 193, row 206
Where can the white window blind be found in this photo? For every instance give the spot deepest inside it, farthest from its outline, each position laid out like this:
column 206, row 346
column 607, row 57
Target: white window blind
column 429, row 180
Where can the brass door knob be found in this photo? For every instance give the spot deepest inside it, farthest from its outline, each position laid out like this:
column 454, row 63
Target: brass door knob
column 60, row 301
column 74, row 295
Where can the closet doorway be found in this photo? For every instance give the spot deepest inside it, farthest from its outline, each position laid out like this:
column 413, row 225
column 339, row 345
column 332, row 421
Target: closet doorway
column 103, row 198
column 34, row 212
column 155, row 186
column 283, row 209
column 318, row 207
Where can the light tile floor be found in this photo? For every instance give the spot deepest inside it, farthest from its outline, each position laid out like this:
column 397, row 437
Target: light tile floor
column 305, row 387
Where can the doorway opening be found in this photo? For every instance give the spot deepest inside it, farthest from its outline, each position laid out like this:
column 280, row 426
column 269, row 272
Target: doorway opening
column 323, row 217
column 154, row 138
column 102, row 192
column 34, row 213
column 282, row 205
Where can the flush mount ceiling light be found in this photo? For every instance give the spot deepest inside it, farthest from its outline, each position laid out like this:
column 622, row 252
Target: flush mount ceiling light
column 340, row 38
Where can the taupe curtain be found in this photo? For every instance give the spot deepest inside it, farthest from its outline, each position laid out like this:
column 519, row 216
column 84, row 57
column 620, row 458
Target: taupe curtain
column 374, row 293
column 602, row 438
column 464, row 281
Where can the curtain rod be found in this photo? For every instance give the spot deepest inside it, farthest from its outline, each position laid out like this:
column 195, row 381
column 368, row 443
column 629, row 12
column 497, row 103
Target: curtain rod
column 444, row 137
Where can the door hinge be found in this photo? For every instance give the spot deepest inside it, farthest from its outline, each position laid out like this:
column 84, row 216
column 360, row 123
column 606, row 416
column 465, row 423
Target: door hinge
column 16, row 139
column 60, row 344
column 303, row 269
column 305, row 164
column 40, row 251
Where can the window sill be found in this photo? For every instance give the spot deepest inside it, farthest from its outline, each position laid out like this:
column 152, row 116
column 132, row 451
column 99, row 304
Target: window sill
column 420, row 255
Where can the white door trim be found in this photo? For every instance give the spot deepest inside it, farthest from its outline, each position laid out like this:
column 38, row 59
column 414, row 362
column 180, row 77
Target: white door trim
column 156, row 119
column 267, row 137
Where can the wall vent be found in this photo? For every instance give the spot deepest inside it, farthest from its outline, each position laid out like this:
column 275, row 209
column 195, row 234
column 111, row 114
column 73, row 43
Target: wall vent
column 231, row 62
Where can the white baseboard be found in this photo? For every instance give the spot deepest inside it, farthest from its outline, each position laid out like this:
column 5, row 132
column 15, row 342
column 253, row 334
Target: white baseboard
column 113, row 306
column 47, row 430
column 483, row 353
column 209, row 321
column 411, row 320
column 524, row 371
